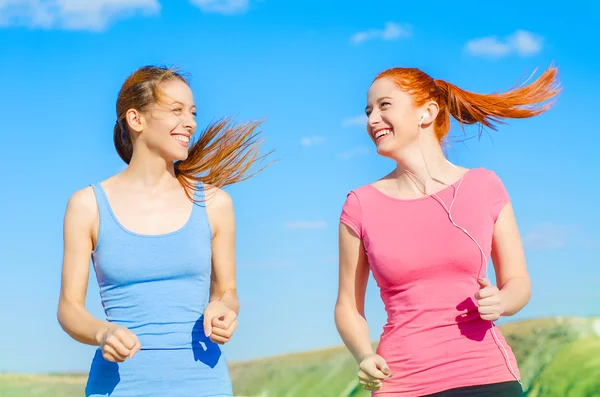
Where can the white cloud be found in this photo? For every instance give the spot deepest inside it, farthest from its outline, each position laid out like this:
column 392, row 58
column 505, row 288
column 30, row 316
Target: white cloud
column 391, row 31
column 547, row 236
column 522, row 43
column 526, row 43
column 312, row 140
column 94, row 15
column 226, row 7
column 356, row 120
column 305, row 225
column 357, row 151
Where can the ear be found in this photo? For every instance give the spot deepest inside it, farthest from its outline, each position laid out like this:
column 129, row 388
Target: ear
column 134, row 120
column 430, row 112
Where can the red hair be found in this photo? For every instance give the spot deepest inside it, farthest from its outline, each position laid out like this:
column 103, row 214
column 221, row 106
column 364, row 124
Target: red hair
column 469, row 108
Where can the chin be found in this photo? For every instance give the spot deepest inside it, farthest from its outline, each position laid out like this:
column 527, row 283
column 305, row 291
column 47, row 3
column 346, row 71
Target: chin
column 386, row 150
column 182, row 157
column 176, row 155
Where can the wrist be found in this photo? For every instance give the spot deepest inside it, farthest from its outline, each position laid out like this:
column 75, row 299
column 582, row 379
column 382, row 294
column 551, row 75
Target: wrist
column 364, row 355
column 230, row 304
column 101, row 334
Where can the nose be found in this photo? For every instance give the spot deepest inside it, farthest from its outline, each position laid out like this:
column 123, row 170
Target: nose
column 189, row 122
column 374, row 119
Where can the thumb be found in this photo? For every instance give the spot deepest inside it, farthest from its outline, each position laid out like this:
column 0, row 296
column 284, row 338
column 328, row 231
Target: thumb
column 382, row 365
column 207, row 325
column 224, row 320
column 484, row 282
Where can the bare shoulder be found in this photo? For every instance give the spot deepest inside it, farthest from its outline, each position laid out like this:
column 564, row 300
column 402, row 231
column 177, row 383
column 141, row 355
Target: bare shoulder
column 217, row 199
column 83, row 203
column 219, row 208
column 81, row 215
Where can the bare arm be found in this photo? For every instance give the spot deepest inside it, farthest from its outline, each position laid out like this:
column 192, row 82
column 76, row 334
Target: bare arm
column 508, row 257
column 220, row 316
column 223, row 277
column 349, row 309
column 80, row 223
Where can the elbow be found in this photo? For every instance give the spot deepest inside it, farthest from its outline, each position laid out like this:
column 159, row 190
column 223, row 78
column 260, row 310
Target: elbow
column 526, row 290
column 339, row 313
column 344, row 311
column 340, row 308
column 64, row 315
column 61, row 315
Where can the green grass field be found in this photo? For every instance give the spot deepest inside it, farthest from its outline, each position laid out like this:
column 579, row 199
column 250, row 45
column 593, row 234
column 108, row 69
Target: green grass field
column 558, row 357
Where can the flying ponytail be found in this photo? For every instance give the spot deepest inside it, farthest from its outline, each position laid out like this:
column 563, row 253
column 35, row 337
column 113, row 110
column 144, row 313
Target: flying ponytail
column 470, row 108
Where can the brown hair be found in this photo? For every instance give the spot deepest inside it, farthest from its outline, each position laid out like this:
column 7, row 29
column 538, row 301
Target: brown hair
column 222, row 155
column 470, row 108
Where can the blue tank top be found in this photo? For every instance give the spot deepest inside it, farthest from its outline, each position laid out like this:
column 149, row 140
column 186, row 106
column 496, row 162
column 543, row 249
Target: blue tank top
column 155, row 285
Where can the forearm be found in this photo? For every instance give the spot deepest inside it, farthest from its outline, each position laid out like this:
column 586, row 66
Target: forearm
column 514, row 295
column 228, row 298
column 80, row 324
column 354, row 331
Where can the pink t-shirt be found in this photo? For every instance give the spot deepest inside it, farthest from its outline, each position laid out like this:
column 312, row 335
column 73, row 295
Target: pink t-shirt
column 427, row 271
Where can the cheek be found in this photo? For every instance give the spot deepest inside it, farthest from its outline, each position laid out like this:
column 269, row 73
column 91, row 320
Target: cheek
column 170, row 122
column 164, row 125
column 402, row 127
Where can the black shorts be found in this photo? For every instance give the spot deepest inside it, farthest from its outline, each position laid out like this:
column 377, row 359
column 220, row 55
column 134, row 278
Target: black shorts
column 504, row 389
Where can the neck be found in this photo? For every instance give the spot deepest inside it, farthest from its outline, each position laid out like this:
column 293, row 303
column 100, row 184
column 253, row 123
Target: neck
column 424, row 165
column 149, row 170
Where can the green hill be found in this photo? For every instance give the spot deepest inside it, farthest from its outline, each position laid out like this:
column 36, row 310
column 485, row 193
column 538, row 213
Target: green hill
column 558, row 357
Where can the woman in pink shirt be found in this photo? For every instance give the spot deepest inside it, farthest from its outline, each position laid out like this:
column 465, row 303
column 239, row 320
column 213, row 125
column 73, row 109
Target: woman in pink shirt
column 426, row 231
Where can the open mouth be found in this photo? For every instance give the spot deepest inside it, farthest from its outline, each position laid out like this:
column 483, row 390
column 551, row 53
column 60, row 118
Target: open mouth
column 381, row 134
column 183, row 140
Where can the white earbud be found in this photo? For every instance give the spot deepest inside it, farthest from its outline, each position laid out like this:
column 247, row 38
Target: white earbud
column 422, row 118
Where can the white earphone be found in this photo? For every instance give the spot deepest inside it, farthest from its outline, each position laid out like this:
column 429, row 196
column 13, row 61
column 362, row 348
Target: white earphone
column 448, row 210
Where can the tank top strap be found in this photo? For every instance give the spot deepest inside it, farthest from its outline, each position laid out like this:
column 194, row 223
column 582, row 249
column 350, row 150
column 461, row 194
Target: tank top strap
column 199, row 214
column 106, row 219
column 101, row 200
column 199, row 194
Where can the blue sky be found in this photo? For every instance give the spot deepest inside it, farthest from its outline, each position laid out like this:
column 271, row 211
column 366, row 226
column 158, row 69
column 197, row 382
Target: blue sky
column 305, row 66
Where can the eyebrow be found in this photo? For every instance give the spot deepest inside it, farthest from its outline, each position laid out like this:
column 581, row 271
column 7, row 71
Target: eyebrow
column 378, row 101
column 181, row 103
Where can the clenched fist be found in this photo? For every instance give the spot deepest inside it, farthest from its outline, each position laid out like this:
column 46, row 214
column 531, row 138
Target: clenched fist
column 373, row 371
column 219, row 322
column 489, row 301
column 118, row 344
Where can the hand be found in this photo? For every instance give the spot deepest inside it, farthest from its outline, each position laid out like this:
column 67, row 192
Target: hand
column 219, row 322
column 373, row 370
column 489, row 301
column 118, row 344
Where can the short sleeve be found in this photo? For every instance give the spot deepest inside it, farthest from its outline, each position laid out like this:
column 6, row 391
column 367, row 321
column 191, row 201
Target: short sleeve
column 497, row 195
column 352, row 214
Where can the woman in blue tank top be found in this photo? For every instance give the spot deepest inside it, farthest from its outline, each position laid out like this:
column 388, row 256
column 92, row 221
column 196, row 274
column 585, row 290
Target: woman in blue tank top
column 161, row 236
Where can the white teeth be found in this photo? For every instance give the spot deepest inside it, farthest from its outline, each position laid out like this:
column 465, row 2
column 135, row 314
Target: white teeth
column 182, row 138
column 381, row 133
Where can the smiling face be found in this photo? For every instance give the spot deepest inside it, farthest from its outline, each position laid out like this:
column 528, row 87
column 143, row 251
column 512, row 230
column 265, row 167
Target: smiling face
column 393, row 117
column 170, row 123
